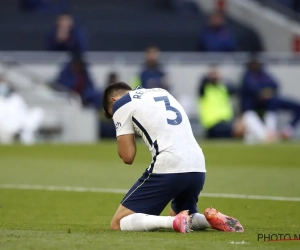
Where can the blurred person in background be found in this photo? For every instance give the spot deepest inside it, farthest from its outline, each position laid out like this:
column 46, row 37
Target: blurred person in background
column 152, row 75
column 260, row 95
column 216, row 37
column 16, row 118
column 76, row 78
column 112, row 77
column 215, row 108
column 65, row 36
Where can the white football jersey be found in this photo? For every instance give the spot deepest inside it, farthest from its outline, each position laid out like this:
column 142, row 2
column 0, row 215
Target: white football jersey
column 156, row 116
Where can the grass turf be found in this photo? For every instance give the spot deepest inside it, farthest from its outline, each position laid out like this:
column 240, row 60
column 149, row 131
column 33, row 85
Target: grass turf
column 32, row 219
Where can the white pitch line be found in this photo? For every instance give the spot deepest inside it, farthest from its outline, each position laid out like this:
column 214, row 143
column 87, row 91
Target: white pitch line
column 250, row 197
column 63, row 188
column 124, row 191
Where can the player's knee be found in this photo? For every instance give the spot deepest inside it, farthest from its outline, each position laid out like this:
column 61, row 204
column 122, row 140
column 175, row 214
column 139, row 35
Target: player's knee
column 115, row 225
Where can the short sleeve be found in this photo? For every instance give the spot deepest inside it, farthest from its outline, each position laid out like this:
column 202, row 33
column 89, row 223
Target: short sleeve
column 123, row 117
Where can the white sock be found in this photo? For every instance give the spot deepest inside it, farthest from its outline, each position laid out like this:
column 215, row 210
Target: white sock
column 199, row 222
column 145, row 222
column 271, row 121
column 255, row 128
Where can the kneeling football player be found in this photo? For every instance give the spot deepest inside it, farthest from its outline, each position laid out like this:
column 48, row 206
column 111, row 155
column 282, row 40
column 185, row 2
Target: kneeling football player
column 177, row 171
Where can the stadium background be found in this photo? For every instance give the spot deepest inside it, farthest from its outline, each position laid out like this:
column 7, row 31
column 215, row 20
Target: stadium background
column 62, row 192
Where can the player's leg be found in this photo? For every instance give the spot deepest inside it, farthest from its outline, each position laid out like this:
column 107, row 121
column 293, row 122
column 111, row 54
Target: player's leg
column 294, row 107
column 256, row 131
column 146, row 222
column 126, row 219
column 188, row 198
column 171, row 212
column 211, row 217
column 118, row 216
column 270, row 108
column 33, row 122
column 143, row 203
column 7, row 135
column 238, row 127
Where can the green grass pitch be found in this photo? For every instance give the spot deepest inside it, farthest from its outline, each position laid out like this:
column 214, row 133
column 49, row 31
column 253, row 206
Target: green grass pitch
column 41, row 219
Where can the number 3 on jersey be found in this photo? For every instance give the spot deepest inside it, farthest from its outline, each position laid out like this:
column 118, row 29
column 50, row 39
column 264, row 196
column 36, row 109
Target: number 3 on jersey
column 178, row 118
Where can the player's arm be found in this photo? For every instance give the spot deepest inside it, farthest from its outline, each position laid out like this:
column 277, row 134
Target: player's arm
column 127, row 148
column 125, row 132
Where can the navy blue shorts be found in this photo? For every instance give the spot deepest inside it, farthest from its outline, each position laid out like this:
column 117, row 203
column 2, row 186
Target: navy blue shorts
column 152, row 192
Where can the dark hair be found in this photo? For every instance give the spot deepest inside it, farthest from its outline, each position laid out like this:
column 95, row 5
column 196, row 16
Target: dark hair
column 110, row 90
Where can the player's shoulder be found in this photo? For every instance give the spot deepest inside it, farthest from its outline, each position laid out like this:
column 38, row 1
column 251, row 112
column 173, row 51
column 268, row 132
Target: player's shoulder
column 122, row 103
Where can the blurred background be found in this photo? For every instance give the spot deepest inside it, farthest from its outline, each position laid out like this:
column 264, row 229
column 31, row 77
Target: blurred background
column 234, row 65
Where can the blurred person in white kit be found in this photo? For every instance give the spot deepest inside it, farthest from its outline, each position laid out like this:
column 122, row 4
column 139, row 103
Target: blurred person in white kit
column 16, row 118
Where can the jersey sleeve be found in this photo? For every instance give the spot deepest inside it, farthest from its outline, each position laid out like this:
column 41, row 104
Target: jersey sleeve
column 123, row 120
